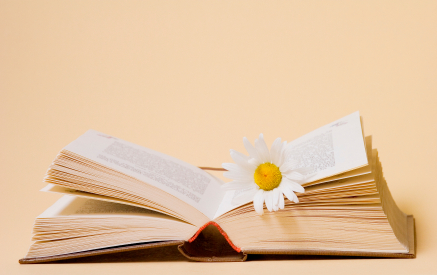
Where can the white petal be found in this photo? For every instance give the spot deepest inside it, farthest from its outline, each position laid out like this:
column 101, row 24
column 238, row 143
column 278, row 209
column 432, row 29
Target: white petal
column 288, row 165
column 294, row 186
column 242, row 160
column 258, row 202
column 238, row 176
column 250, row 149
column 281, row 201
column 239, row 155
column 236, row 185
column 269, row 200
column 275, row 208
column 275, row 196
column 282, row 156
column 263, row 150
column 255, row 162
column 288, row 148
column 232, row 167
column 229, row 166
column 275, row 150
column 288, row 193
column 245, row 196
column 296, row 199
column 293, row 175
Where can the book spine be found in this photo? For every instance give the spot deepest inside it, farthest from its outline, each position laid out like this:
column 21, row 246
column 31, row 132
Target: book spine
column 221, row 232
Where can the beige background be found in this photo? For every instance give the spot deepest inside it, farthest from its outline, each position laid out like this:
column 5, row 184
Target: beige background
column 191, row 78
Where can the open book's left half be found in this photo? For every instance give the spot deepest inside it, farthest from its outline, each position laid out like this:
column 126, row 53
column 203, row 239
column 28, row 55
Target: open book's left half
column 121, row 193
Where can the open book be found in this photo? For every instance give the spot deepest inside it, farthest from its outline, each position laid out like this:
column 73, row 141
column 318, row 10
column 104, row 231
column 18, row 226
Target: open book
column 119, row 196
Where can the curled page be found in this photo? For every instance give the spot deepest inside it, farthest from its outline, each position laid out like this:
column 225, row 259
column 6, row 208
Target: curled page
column 180, row 179
column 332, row 149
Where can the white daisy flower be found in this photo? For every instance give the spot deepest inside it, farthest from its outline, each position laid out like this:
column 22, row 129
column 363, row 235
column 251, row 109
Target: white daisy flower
column 263, row 175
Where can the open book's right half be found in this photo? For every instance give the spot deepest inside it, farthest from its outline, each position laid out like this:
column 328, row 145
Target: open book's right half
column 346, row 209
column 349, row 215
column 121, row 197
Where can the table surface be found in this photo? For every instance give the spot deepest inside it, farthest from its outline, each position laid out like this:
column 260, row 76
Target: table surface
column 191, row 78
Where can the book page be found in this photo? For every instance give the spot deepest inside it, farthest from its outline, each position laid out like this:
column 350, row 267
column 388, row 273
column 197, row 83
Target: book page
column 70, row 205
column 227, row 203
column 180, row 179
column 54, row 188
column 330, row 150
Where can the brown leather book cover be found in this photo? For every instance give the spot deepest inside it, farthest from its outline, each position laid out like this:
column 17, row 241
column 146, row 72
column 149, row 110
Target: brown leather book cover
column 211, row 244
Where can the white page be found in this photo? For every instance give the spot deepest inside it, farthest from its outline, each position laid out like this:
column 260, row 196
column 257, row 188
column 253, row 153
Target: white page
column 227, row 204
column 180, row 179
column 330, row 150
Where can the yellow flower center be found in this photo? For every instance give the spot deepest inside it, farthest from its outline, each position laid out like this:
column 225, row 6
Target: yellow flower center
column 267, row 176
